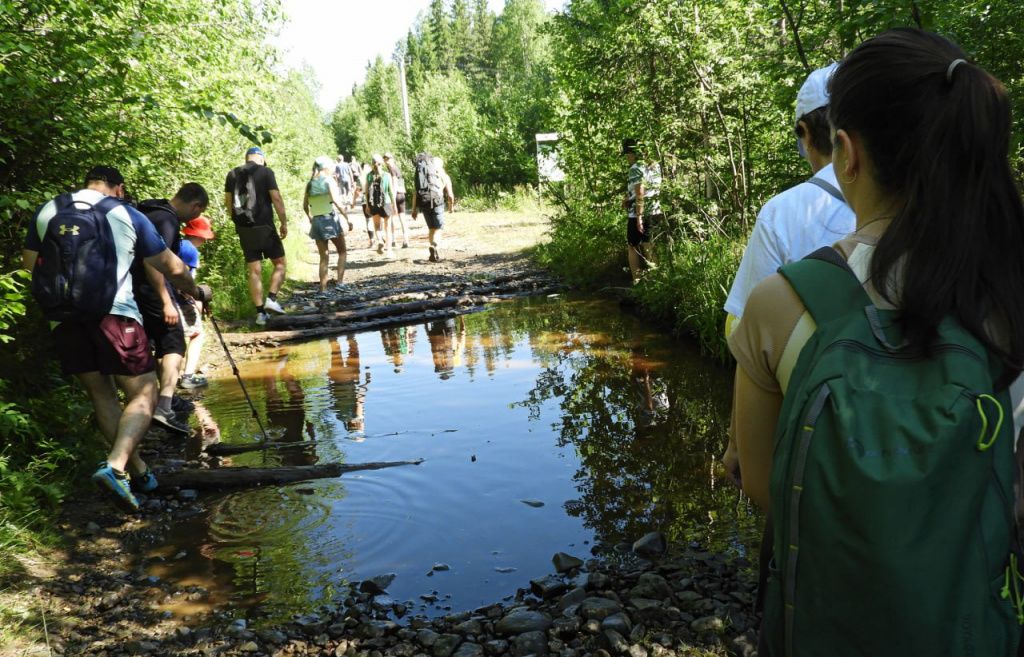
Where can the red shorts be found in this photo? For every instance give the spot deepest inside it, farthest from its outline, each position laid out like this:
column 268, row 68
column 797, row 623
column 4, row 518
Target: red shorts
column 113, row 345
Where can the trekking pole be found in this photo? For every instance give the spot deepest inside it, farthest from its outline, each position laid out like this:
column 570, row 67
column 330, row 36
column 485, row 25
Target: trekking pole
column 234, row 368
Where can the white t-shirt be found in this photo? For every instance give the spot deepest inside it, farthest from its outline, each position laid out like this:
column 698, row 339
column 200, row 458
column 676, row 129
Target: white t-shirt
column 792, row 224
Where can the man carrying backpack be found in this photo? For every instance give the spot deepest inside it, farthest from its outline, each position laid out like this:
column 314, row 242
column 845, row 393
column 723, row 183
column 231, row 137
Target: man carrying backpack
column 156, row 302
column 430, row 199
column 251, row 197
column 80, row 248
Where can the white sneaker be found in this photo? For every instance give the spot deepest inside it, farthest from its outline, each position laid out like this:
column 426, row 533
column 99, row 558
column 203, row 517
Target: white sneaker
column 273, row 306
column 261, row 319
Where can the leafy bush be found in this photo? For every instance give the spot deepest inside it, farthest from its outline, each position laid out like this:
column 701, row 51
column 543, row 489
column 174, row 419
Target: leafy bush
column 481, row 198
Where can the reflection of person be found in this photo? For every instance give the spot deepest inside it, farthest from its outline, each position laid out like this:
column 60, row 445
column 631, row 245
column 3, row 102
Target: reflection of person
column 652, row 397
column 396, row 342
column 343, row 377
column 447, row 339
column 290, row 414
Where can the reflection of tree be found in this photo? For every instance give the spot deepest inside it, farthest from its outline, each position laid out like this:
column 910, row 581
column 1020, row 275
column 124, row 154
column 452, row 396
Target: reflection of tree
column 343, row 382
column 647, row 434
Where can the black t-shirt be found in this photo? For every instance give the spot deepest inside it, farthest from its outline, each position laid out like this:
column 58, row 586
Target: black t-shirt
column 264, row 182
column 161, row 214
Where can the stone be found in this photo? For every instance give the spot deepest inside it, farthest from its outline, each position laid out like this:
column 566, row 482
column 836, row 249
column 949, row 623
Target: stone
column 272, row 636
column 237, row 626
column 636, row 650
column 548, row 587
column 496, row 647
column 688, row 599
column 619, row 623
column 708, row 624
column 651, row 585
column 187, row 494
column 745, row 645
column 91, row 528
column 598, row 582
column 573, row 597
column 519, row 621
column 598, row 608
column 471, row 626
column 446, row 645
column 530, row 643
column 534, row 503
column 382, row 602
column 468, row 649
column 377, row 585
column 504, row 570
column 565, row 562
column 592, row 626
column 617, row 644
column 427, row 638
column 651, row 545
column 440, row 567
column 249, row 646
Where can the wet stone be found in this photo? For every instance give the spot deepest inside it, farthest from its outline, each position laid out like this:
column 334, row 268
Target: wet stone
column 548, row 587
column 522, row 620
column 534, row 503
column 427, row 638
column 619, row 623
column 565, row 562
column 707, row 624
column 651, row 585
column 616, row 643
column 471, row 626
column 651, row 545
column 598, row 608
column 469, row 650
column 636, row 650
column 377, row 585
column 440, row 567
column 187, row 494
column 566, row 626
column 573, row 597
column 446, row 645
column 530, row 643
column 496, row 647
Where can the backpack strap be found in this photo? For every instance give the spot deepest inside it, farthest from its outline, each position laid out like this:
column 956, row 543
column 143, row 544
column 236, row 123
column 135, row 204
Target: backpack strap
column 826, row 285
column 828, row 187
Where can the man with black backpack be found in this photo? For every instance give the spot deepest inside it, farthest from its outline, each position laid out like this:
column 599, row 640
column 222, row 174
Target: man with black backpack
column 430, row 197
column 80, row 248
column 251, row 197
column 160, row 316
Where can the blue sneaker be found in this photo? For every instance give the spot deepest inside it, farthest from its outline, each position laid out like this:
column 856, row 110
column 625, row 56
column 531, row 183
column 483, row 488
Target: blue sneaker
column 145, row 482
column 117, row 486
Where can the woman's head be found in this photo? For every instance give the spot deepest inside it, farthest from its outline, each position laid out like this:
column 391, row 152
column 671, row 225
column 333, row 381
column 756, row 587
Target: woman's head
column 377, row 161
column 925, row 130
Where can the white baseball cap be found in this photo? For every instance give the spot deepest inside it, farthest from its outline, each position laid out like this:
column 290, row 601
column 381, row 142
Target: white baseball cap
column 814, row 93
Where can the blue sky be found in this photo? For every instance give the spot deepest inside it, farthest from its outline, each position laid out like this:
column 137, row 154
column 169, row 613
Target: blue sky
column 337, row 37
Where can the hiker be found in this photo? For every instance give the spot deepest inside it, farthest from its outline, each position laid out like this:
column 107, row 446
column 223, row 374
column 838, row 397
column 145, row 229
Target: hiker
column 803, row 218
column 431, row 195
column 399, row 182
column 322, row 193
column 643, row 208
column 156, row 302
column 98, row 335
column 343, row 176
column 251, row 197
column 886, row 363
column 196, row 233
column 380, row 200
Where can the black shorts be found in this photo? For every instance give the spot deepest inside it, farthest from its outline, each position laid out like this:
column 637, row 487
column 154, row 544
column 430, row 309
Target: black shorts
column 382, row 211
column 434, row 217
column 400, row 202
column 366, row 211
column 165, row 339
column 635, row 237
column 259, row 242
column 113, row 345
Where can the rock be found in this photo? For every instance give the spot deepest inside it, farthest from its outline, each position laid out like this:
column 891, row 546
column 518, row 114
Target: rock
column 382, row 602
column 707, row 624
column 650, row 545
column 377, row 585
column 428, row 598
column 496, row 647
column 187, row 494
column 598, row 608
column 519, row 621
column 504, row 570
column 272, row 636
column 249, row 646
column 688, row 599
column 534, row 503
column 471, row 626
column 446, row 645
column 91, row 529
column 617, row 644
column 427, row 638
column 141, row 647
column 440, row 567
column 592, row 626
column 598, row 582
column 530, row 643
column 745, row 645
column 565, row 562
column 469, row 650
column 573, row 597
column 651, row 585
column 153, row 505
column 619, row 623
column 566, row 626
column 548, row 587
column 636, row 650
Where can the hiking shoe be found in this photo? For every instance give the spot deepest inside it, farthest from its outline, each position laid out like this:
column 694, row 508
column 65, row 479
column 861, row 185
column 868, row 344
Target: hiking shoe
column 117, row 486
column 380, row 247
column 405, row 245
column 179, row 405
column 190, row 381
column 168, row 421
column 261, row 319
column 273, row 306
column 433, row 254
column 145, row 482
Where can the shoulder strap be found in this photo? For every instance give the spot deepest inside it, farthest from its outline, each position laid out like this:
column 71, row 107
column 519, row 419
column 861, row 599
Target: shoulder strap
column 828, row 187
column 826, row 284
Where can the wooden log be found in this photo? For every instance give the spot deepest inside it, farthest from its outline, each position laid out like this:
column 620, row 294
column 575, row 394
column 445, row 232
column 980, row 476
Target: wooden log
column 301, row 321
column 220, row 478
column 225, row 449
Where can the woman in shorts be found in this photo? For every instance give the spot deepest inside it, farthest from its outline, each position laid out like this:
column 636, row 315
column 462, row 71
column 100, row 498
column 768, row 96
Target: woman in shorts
column 380, row 201
column 321, row 194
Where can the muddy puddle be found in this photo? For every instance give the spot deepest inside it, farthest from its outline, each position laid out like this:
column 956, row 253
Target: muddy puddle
column 546, row 425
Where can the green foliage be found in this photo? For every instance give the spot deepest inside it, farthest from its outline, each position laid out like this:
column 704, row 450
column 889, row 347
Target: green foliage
column 482, row 198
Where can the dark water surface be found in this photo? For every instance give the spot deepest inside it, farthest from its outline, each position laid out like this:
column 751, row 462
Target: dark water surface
column 564, row 401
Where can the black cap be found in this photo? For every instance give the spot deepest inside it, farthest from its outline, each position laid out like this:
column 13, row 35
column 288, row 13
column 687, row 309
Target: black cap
column 109, row 175
column 630, row 146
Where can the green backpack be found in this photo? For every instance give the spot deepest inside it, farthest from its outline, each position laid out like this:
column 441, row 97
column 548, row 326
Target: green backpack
column 892, row 489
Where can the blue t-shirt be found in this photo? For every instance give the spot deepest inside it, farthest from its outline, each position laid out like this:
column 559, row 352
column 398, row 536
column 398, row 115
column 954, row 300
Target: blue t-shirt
column 189, row 254
column 134, row 237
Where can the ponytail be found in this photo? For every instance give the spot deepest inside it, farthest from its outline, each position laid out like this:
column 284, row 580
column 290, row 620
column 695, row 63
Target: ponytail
column 937, row 130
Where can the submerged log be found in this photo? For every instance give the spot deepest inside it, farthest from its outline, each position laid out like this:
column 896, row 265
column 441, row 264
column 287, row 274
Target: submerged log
column 320, row 319
column 219, row 478
column 225, row 449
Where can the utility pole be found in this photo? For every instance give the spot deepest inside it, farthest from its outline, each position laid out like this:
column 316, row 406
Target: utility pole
column 400, row 58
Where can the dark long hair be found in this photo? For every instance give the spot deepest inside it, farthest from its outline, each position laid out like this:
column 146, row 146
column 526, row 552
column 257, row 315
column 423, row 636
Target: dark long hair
column 939, row 140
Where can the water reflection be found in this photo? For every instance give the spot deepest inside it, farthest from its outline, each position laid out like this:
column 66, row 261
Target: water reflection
column 614, row 428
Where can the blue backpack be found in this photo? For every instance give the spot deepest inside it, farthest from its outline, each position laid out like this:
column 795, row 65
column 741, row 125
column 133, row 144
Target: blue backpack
column 75, row 275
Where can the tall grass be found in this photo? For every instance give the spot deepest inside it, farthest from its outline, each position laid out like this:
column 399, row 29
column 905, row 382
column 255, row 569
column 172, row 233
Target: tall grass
column 481, row 198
